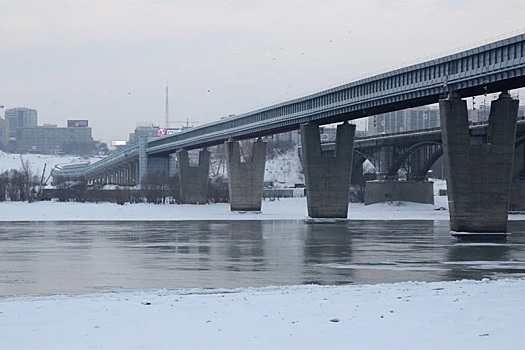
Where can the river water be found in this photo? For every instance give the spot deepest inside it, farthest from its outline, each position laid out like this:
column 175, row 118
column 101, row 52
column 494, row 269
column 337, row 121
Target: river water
column 84, row 257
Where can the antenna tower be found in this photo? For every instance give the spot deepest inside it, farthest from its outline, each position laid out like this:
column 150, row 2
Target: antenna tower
column 167, row 116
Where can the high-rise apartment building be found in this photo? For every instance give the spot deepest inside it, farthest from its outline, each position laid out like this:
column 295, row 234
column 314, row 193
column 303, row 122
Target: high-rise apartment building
column 404, row 120
column 20, row 117
column 422, row 118
column 144, row 129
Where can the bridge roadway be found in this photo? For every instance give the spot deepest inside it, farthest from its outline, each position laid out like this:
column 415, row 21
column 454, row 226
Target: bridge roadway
column 488, row 68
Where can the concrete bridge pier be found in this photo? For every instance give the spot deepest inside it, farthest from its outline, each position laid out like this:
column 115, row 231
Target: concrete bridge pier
column 386, row 159
column 133, row 171
column 357, row 177
column 327, row 178
column 129, row 174
column 158, row 166
column 137, row 172
column 193, row 180
column 122, row 176
column 143, row 159
column 415, row 189
column 246, row 179
column 517, row 193
column 479, row 175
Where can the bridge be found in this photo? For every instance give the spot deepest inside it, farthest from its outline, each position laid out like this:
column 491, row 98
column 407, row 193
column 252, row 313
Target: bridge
column 416, row 152
column 493, row 67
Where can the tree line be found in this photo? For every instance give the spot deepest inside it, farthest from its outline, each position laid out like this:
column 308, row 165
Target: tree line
column 19, row 185
column 157, row 188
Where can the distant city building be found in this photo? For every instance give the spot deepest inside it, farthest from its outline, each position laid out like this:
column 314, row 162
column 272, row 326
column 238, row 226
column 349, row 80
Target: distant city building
column 290, row 136
column 327, row 134
column 148, row 130
column 404, row 120
column 422, row 118
column 20, row 117
column 52, row 139
column 4, row 133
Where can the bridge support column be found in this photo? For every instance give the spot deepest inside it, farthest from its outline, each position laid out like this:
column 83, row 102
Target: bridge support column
column 245, row 180
column 135, row 173
column 172, row 165
column 479, row 175
column 193, row 180
column 327, row 178
column 357, row 177
column 158, row 166
column 143, row 159
column 129, row 170
column 517, row 193
column 120, row 176
column 386, row 159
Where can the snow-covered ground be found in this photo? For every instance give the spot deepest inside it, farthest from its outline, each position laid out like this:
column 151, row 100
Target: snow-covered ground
column 445, row 315
column 285, row 168
column 283, row 209
column 289, row 208
column 10, row 161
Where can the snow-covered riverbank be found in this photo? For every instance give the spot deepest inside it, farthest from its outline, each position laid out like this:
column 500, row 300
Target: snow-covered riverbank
column 445, row 315
column 284, row 209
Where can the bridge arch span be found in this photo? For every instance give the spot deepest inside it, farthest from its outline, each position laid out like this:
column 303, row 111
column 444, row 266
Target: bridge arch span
column 410, row 151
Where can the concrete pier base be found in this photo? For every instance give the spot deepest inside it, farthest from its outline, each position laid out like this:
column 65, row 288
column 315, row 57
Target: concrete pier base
column 327, row 178
column 245, row 179
column 517, row 195
column 407, row 191
column 478, row 175
column 193, row 180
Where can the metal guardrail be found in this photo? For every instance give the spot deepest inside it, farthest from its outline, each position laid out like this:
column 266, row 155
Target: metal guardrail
column 115, row 158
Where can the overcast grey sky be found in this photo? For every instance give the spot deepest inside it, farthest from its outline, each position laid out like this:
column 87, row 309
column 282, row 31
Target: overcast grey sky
column 108, row 60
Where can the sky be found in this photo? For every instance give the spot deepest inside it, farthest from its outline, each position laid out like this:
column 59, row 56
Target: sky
column 108, row 61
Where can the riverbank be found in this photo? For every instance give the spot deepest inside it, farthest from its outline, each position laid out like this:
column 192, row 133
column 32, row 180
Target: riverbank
column 283, row 209
column 446, row 315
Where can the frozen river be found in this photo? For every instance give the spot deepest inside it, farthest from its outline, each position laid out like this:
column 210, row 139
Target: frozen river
column 84, row 257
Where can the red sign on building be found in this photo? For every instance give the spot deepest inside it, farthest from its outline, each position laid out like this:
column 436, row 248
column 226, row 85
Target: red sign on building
column 77, row 123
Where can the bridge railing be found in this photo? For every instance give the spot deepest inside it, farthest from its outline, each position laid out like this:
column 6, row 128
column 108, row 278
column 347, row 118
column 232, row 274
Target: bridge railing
column 115, row 158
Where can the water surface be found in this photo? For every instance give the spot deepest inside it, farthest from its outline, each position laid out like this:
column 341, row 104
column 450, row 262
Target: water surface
column 83, row 257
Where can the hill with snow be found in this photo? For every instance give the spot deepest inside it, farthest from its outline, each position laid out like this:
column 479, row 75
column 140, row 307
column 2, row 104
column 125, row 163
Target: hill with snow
column 37, row 162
